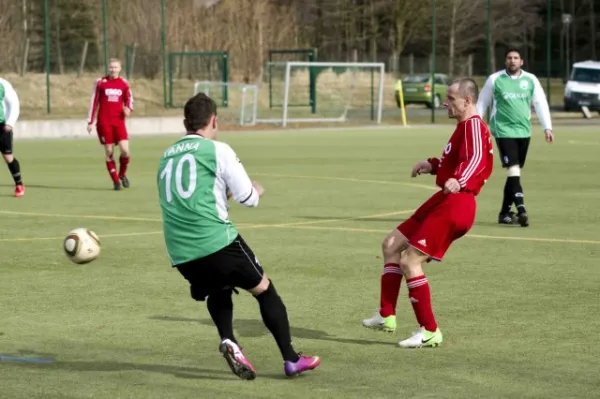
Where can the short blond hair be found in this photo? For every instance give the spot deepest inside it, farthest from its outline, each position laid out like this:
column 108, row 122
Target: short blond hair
column 115, row 60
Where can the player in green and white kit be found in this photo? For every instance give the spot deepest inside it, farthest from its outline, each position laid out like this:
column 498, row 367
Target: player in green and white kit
column 196, row 176
column 9, row 114
column 510, row 93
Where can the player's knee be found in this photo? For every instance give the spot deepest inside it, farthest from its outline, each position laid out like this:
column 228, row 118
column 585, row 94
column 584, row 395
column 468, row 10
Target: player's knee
column 8, row 158
column 513, row 171
column 393, row 244
column 261, row 287
column 411, row 262
column 109, row 153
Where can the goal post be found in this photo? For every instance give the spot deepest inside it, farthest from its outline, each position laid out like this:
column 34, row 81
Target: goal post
column 275, row 58
column 344, row 91
column 242, row 101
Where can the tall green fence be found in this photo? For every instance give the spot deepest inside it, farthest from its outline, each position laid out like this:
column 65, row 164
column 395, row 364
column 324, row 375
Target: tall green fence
column 186, row 68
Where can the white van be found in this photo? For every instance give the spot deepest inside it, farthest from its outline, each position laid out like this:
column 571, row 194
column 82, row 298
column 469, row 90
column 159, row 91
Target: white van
column 583, row 87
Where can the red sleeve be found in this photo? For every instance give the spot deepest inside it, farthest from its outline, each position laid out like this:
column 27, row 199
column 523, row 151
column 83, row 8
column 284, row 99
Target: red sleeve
column 472, row 158
column 94, row 102
column 127, row 96
column 435, row 164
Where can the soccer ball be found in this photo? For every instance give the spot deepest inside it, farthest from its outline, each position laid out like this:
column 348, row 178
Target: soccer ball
column 81, row 245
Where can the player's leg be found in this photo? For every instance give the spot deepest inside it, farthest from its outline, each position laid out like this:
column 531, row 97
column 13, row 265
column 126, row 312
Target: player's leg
column 220, row 307
column 207, row 283
column 522, row 217
column 123, row 140
column 446, row 223
column 419, row 294
column 275, row 318
column 391, row 278
column 6, row 148
column 251, row 277
column 111, row 166
column 106, row 138
column 509, row 156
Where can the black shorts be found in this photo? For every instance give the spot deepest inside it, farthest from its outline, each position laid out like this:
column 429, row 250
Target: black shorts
column 513, row 151
column 6, row 141
column 234, row 266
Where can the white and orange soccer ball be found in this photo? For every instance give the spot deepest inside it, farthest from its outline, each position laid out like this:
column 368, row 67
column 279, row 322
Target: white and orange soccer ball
column 81, row 245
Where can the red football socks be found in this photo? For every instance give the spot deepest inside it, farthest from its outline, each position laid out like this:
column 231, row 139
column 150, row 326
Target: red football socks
column 390, row 289
column 112, row 171
column 123, row 162
column 420, row 297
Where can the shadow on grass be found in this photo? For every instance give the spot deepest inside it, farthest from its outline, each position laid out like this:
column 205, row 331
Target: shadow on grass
column 24, row 359
column 252, row 328
column 65, row 187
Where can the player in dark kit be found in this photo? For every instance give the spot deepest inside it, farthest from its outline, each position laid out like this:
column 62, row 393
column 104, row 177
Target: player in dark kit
column 113, row 99
column 463, row 169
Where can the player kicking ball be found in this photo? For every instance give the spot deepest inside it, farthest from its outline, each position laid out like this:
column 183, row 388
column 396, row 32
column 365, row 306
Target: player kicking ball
column 462, row 170
column 195, row 178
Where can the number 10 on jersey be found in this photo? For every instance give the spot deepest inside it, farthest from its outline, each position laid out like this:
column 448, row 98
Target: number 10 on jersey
column 180, row 179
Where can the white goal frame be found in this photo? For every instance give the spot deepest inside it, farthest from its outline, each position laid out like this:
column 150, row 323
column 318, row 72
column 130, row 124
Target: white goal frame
column 249, row 93
column 378, row 66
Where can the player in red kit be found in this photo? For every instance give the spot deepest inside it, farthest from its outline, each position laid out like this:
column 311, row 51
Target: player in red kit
column 464, row 167
column 113, row 99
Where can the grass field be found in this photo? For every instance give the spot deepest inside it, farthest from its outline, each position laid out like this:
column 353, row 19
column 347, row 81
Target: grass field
column 518, row 307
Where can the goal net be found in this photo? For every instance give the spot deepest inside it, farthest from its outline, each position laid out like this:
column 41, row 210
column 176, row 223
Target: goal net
column 322, row 92
column 237, row 102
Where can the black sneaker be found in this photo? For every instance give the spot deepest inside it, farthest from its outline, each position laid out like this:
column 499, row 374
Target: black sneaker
column 125, row 181
column 117, row 186
column 523, row 219
column 507, row 218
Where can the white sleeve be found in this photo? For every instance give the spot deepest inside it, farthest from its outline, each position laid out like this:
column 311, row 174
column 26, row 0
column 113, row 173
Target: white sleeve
column 11, row 104
column 486, row 96
column 541, row 105
column 237, row 180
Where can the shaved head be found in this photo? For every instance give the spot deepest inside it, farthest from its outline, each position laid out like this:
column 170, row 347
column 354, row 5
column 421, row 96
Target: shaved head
column 467, row 88
column 461, row 99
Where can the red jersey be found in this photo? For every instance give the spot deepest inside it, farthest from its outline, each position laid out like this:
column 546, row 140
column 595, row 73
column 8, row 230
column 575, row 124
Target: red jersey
column 468, row 156
column 109, row 97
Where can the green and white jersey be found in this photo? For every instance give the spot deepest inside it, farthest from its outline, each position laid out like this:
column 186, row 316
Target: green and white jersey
column 193, row 177
column 9, row 104
column 510, row 98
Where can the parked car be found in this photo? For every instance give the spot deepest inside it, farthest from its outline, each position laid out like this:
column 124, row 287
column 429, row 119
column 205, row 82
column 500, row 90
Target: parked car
column 583, row 87
column 417, row 89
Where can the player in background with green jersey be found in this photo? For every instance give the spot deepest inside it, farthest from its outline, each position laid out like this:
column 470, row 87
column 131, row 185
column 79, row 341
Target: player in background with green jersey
column 510, row 93
column 196, row 176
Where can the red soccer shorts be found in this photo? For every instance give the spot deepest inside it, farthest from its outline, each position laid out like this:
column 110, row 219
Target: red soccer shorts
column 111, row 132
column 440, row 221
